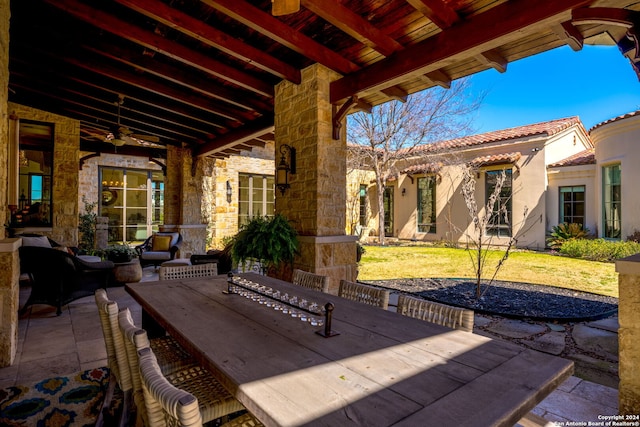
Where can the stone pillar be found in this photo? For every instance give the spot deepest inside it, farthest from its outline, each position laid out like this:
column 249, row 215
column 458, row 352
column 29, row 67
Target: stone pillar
column 629, row 334
column 184, row 195
column 315, row 203
column 9, row 299
column 4, row 122
column 102, row 232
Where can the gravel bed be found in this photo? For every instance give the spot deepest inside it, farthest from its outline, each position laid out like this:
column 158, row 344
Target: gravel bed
column 510, row 299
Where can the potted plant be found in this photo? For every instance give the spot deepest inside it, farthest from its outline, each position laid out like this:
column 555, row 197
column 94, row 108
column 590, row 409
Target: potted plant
column 268, row 241
column 119, row 253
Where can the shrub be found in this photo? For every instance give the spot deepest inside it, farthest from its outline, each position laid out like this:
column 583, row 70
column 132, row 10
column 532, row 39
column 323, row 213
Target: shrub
column 564, row 232
column 599, row 249
column 635, row 237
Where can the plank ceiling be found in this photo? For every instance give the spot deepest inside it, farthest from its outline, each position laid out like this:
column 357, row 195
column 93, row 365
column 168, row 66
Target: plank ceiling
column 201, row 73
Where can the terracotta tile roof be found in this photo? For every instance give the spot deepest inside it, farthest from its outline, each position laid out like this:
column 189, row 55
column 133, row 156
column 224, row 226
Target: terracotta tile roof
column 586, row 157
column 422, row 168
column 549, row 128
column 495, row 159
column 615, row 119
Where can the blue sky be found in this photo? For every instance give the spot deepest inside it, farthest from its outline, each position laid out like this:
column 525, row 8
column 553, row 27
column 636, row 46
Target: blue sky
column 595, row 84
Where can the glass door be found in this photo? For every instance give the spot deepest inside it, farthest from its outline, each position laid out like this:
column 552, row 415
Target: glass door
column 133, row 200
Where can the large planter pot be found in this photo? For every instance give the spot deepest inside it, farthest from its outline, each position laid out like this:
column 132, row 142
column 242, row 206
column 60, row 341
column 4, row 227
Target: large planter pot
column 119, row 258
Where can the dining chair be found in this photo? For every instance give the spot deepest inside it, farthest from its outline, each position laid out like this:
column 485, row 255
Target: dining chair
column 310, row 280
column 364, row 293
column 214, row 400
column 187, row 271
column 119, row 373
column 442, row 314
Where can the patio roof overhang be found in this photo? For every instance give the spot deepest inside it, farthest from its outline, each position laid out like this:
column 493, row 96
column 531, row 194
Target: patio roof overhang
column 202, row 72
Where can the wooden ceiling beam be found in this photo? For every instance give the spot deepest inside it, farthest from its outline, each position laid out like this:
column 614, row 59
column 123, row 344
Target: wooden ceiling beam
column 395, row 92
column 482, row 30
column 437, row 11
column 569, row 35
column 180, row 76
column 247, row 133
column 493, row 59
column 353, row 25
column 211, row 36
column 276, row 30
column 157, row 43
column 440, row 78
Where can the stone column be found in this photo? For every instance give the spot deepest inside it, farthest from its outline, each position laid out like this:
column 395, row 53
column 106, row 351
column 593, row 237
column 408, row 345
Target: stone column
column 184, row 200
column 629, row 334
column 316, row 201
column 9, row 299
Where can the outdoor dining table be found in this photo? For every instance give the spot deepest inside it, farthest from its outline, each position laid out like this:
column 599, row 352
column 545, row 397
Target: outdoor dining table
column 379, row 369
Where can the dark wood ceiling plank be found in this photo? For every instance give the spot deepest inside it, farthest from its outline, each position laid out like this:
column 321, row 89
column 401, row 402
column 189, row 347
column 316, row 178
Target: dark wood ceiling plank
column 159, row 44
column 353, row 24
column 208, row 35
column 482, row 30
column 437, row 11
column 276, row 30
column 180, row 76
column 247, row 133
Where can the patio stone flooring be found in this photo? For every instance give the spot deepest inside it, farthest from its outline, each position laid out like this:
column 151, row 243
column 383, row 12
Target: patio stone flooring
column 51, row 345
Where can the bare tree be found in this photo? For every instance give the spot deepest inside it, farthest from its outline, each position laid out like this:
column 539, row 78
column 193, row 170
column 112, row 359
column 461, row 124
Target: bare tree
column 394, row 130
column 495, row 210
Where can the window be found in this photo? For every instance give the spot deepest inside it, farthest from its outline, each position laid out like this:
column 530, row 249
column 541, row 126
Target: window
column 427, row 205
column 572, row 204
column 35, row 174
column 133, row 200
column 387, row 200
column 499, row 225
column 612, row 201
column 363, row 205
column 256, row 197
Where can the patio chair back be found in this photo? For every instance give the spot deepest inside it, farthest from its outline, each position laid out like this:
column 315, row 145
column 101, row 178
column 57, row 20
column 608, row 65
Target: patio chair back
column 442, row 314
column 310, row 280
column 162, row 399
column 364, row 293
column 187, row 271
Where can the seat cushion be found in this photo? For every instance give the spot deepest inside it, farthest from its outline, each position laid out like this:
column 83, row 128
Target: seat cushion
column 161, row 243
column 151, row 255
column 40, row 241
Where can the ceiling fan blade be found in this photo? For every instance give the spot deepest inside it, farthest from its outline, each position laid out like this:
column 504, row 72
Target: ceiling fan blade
column 284, row 7
column 149, row 138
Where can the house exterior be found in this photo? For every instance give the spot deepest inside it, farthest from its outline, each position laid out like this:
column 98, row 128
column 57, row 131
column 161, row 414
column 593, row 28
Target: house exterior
column 555, row 172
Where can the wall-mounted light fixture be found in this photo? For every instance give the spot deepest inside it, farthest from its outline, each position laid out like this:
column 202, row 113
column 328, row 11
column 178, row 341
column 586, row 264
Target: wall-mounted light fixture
column 229, row 191
column 404, row 191
column 285, row 167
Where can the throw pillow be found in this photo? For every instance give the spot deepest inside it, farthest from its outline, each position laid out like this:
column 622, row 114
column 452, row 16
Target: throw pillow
column 41, row 241
column 161, row 243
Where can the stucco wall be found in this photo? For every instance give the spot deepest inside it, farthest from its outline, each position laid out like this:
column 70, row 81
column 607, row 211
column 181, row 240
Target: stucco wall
column 617, row 142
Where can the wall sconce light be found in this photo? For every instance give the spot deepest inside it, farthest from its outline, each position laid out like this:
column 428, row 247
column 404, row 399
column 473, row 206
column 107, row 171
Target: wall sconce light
column 285, row 168
column 404, row 191
column 229, row 191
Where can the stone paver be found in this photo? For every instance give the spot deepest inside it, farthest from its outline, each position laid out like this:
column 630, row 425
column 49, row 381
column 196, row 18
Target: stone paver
column 597, row 341
column 516, row 328
column 610, row 324
column 552, row 343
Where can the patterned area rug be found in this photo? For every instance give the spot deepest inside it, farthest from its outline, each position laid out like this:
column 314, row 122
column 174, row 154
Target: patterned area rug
column 55, row 402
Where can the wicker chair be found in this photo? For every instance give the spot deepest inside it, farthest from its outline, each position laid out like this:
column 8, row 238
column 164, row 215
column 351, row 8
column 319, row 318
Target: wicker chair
column 116, row 358
column 442, row 314
column 158, row 248
column 310, row 280
column 214, row 400
column 187, row 271
column 364, row 293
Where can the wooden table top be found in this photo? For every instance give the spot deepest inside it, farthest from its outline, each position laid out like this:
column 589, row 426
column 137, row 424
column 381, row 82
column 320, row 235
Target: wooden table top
column 383, row 369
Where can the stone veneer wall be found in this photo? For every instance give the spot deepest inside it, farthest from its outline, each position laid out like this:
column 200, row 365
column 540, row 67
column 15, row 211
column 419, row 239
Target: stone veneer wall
column 629, row 334
column 316, row 200
column 9, row 299
column 4, row 123
column 224, row 212
column 65, row 173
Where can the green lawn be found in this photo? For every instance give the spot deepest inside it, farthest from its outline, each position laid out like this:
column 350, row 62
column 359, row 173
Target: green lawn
column 394, row 262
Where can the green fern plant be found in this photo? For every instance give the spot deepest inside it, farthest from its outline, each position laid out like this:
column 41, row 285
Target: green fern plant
column 564, row 232
column 272, row 241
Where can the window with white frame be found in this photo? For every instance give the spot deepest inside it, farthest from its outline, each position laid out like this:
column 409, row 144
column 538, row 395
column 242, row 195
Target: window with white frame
column 427, row 204
column 256, row 197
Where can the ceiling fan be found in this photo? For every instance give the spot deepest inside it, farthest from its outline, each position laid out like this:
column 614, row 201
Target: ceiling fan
column 284, row 7
column 121, row 135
